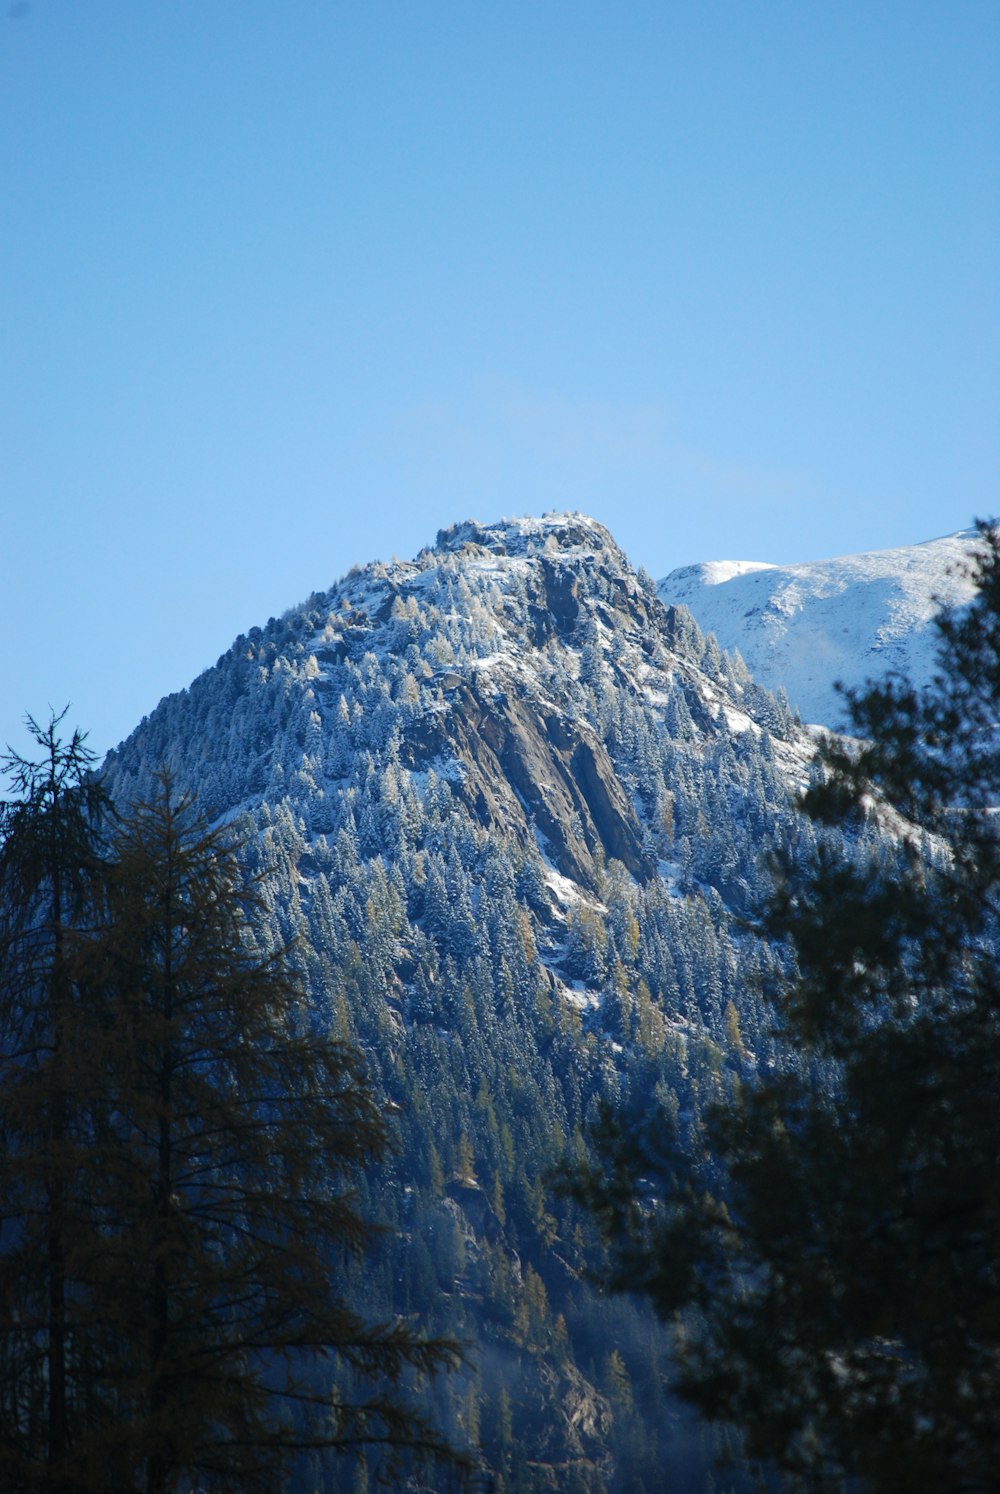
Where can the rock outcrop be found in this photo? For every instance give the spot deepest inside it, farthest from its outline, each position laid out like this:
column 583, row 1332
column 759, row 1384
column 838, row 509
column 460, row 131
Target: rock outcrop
column 522, row 766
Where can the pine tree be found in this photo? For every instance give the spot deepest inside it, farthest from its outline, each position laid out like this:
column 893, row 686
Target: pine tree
column 838, row 1286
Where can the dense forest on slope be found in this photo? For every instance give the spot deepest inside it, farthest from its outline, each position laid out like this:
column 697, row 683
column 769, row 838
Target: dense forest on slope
column 514, row 811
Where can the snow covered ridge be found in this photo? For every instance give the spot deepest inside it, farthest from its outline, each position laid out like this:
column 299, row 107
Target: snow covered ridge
column 803, row 627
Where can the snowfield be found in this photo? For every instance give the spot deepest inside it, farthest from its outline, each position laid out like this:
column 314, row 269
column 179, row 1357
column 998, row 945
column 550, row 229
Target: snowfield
column 853, row 618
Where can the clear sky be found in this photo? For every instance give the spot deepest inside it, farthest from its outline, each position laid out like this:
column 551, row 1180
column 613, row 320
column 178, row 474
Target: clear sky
column 289, row 284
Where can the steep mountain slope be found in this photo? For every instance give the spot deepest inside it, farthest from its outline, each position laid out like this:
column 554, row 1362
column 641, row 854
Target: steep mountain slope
column 802, row 627
column 512, row 807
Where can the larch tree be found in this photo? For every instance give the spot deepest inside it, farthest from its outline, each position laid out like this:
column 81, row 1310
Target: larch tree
column 51, row 892
column 232, row 1132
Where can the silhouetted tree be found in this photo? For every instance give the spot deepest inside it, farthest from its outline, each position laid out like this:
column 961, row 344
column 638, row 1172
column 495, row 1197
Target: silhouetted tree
column 233, row 1129
column 51, row 889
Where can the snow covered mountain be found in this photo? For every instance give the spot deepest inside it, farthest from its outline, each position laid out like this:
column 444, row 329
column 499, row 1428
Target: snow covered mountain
column 512, row 808
column 802, row 627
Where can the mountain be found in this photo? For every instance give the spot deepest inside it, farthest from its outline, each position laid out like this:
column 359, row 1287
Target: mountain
column 511, row 806
column 802, row 627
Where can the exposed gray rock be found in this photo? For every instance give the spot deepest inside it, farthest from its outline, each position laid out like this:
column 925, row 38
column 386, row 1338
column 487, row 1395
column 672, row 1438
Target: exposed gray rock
column 521, row 765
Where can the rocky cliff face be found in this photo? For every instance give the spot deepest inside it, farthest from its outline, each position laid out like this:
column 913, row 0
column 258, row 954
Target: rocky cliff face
column 524, row 768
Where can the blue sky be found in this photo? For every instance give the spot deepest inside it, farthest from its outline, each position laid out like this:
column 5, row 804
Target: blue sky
column 289, row 284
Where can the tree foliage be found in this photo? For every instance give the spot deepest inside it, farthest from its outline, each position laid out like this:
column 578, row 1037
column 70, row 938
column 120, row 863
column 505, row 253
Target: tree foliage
column 50, row 890
column 180, row 1151
column 834, row 1273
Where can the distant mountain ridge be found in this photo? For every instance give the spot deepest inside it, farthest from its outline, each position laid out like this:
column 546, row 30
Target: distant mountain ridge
column 802, row 627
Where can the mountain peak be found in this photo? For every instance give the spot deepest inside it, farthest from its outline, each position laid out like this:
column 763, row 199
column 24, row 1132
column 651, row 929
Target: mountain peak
column 553, row 532
column 506, row 659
